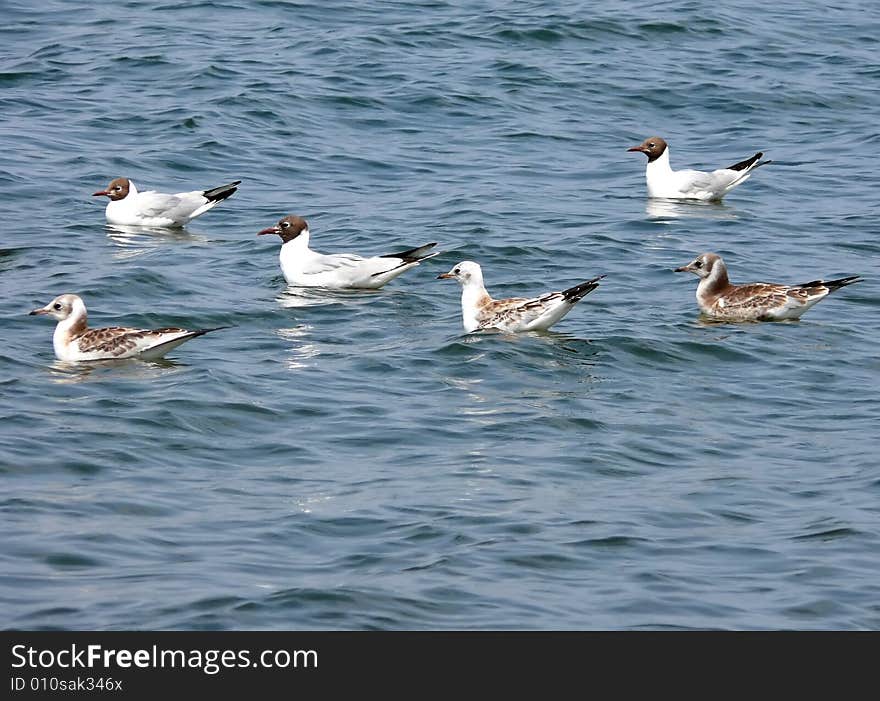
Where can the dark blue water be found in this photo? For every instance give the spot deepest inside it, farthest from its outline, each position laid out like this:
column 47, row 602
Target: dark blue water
column 354, row 460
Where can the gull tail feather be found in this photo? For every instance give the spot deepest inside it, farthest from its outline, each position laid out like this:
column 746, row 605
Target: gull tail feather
column 750, row 163
column 573, row 294
column 221, row 192
column 160, row 349
column 833, row 284
column 409, row 258
column 414, row 254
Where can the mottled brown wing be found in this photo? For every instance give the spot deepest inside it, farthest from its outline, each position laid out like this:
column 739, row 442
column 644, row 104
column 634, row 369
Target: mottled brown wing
column 502, row 311
column 116, row 341
column 808, row 290
column 755, row 297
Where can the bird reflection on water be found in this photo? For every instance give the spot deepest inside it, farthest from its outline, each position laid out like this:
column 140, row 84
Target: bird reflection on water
column 134, row 241
column 659, row 208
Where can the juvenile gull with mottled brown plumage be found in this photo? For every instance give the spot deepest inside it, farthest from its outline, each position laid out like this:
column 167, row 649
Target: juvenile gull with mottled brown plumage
column 128, row 207
column 721, row 300
column 74, row 340
column 480, row 312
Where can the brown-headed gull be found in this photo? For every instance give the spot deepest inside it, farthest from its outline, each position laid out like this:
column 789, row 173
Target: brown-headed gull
column 307, row 268
column 128, row 207
column 74, row 340
column 480, row 312
column 691, row 184
column 721, row 300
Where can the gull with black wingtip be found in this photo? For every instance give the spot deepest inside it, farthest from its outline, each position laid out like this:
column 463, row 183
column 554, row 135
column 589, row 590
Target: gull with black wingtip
column 720, row 300
column 304, row 267
column 73, row 340
column 480, row 312
column 128, row 207
column 691, row 184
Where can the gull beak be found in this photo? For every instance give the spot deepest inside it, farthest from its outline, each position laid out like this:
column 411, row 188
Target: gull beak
column 41, row 310
column 637, row 148
column 270, row 230
column 446, row 276
column 683, row 269
column 100, row 193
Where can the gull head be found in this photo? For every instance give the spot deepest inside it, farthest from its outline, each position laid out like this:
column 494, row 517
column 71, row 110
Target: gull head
column 703, row 265
column 653, row 147
column 63, row 307
column 288, row 228
column 465, row 272
column 116, row 190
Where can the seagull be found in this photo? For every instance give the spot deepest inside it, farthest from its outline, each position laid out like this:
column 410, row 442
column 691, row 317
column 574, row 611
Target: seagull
column 480, row 312
column 129, row 207
column 758, row 301
column 307, row 268
column 74, row 340
column 691, row 184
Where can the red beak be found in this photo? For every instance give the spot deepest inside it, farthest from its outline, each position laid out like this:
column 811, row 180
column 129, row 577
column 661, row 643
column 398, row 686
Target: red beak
column 100, row 193
column 270, row 230
column 637, row 148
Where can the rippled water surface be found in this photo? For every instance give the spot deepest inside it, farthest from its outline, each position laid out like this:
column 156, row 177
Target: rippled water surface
column 353, row 460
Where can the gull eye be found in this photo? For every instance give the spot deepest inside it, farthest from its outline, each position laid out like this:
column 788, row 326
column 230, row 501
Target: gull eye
column 651, row 145
column 698, row 264
column 118, row 188
column 457, row 271
column 285, row 224
column 57, row 305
